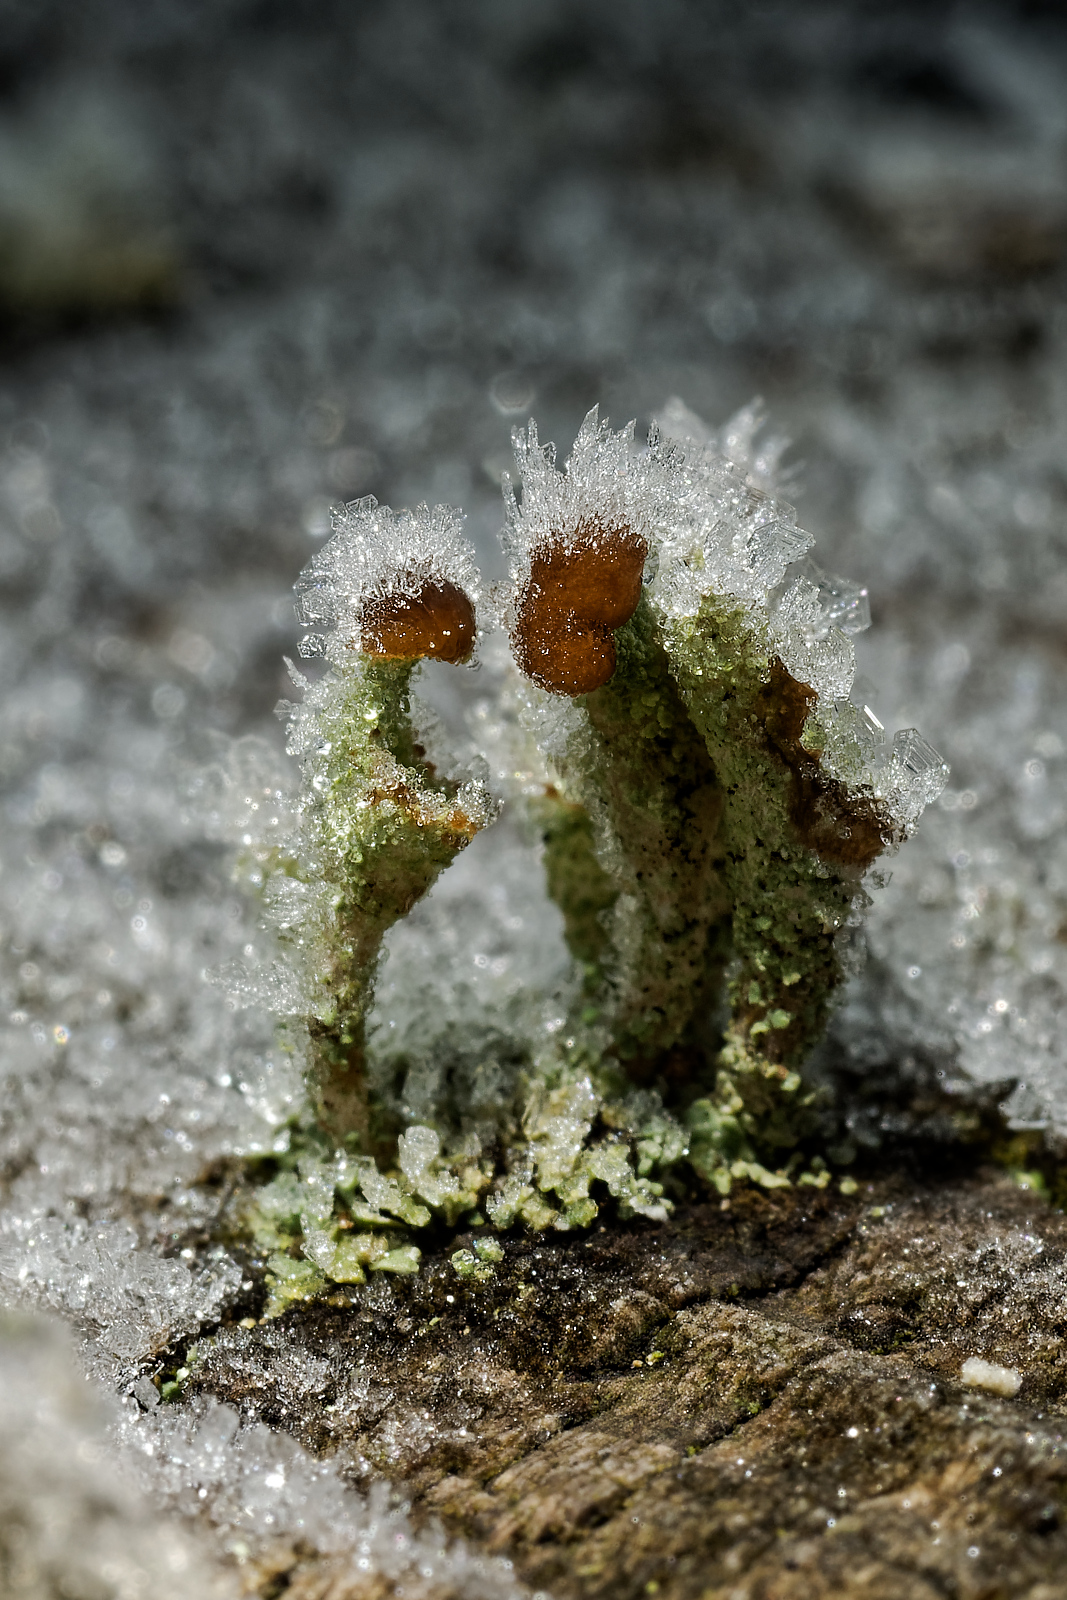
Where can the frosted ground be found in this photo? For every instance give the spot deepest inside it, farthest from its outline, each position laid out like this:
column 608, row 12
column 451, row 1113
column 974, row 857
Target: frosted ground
column 390, row 237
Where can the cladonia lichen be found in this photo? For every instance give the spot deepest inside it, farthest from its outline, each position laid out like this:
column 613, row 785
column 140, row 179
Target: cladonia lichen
column 709, row 796
column 378, row 823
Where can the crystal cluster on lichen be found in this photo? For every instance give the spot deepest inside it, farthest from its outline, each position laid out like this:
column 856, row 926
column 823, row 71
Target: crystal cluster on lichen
column 709, row 798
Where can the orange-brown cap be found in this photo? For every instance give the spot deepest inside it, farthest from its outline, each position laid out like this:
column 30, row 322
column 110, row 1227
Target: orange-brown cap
column 580, row 589
column 432, row 618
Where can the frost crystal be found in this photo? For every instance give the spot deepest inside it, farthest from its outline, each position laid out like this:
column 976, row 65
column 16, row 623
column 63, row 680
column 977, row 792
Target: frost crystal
column 130, row 1304
column 915, row 775
column 254, row 1487
column 71, row 1523
column 378, row 558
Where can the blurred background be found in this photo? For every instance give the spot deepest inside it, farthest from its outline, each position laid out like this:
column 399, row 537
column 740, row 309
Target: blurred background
column 255, row 259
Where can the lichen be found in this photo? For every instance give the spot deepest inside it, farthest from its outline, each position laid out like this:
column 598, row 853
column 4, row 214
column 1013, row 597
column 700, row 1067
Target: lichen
column 378, row 823
column 709, row 800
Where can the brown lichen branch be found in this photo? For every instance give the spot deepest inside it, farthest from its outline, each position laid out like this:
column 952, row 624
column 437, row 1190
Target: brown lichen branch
column 849, row 829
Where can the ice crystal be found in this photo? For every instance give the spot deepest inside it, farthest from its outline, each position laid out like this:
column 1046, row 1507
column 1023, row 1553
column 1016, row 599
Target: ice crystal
column 71, row 1522
column 254, row 1487
column 377, row 556
column 130, row 1304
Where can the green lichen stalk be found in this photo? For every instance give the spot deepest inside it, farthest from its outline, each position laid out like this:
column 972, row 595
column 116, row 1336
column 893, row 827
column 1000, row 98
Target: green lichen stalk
column 789, row 901
column 377, row 823
column 796, row 843
column 381, row 827
column 639, row 783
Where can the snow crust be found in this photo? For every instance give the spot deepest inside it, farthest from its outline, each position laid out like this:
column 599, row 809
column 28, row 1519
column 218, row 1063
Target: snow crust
column 255, row 1488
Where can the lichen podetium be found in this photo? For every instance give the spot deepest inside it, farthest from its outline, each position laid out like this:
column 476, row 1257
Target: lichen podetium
column 710, row 803
column 718, row 776
column 385, row 826
column 379, row 824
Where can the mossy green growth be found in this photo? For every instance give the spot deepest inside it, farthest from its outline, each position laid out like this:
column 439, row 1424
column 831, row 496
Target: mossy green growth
column 729, row 863
column 642, row 774
column 380, row 826
column 331, row 1218
column 478, row 1265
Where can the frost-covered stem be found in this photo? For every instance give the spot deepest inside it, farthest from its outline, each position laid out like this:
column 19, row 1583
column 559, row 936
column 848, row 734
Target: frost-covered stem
column 577, row 883
column 651, row 790
column 386, row 827
column 709, row 808
column 795, row 842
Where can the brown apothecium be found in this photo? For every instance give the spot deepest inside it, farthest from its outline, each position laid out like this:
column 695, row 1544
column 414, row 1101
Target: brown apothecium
column 431, row 617
column 581, row 588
